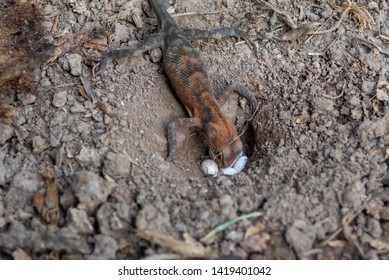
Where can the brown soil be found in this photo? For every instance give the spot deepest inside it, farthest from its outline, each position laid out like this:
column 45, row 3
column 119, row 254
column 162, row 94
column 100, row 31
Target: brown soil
column 318, row 144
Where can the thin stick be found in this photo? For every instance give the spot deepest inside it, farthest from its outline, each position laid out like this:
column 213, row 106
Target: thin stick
column 348, row 234
column 338, row 231
column 334, row 97
column 195, row 14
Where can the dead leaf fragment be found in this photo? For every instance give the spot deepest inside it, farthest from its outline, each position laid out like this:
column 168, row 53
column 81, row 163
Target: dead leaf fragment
column 19, row 254
column 258, row 228
column 95, row 46
column 336, row 243
column 47, row 205
column 105, row 108
column 189, row 248
column 380, row 245
column 256, row 243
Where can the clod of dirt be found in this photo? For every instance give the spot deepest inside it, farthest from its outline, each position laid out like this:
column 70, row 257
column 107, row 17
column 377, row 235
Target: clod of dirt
column 372, row 60
column 368, row 86
column 227, row 207
column 6, row 132
column 114, row 219
column 301, row 237
column 64, row 239
column 151, row 218
column 374, row 228
column 75, row 64
column 90, row 189
column 23, row 186
column 78, row 220
column 324, row 105
column 38, row 142
column 59, row 99
column 79, row 108
column 371, row 129
column 105, row 248
column 353, row 195
column 116, row 165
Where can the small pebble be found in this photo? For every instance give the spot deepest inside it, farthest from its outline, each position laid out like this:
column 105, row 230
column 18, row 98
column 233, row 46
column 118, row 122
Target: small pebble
column 27, row 98
column 105, row 248
column 38, row 142
column 373, row 5
column 59, row 99
column 116, row 165
column 78, row 219
column 75, row 61
column 6, row 132
column 382, row 96
column 90, row 189
column 77, row 108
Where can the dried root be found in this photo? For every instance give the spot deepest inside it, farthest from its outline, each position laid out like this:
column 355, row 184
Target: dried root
column 361, row 13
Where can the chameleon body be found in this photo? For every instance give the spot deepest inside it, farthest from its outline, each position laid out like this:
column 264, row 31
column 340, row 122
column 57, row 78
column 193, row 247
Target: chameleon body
column 192, row 85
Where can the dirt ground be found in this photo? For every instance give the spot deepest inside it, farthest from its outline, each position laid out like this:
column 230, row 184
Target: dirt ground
column 318, row 142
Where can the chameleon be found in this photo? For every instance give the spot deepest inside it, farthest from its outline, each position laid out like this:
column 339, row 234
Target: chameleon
column 192, row 85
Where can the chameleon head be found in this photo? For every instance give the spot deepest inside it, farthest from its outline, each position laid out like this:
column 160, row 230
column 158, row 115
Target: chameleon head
column 225, row 146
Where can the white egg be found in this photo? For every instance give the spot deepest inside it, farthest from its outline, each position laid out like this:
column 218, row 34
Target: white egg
column 240, row 163
column 229, row 171
column 209, row 167
column 237, row 167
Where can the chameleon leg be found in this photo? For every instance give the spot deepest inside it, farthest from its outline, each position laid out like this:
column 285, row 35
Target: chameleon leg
column 172, row 133
column 238, row 88
column 152, row 42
